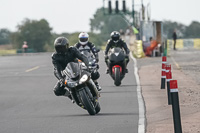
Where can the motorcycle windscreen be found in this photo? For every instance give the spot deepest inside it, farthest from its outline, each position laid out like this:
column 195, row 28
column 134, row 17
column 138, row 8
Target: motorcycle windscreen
column 73, row 70
column 86, row 53
column 117, row 55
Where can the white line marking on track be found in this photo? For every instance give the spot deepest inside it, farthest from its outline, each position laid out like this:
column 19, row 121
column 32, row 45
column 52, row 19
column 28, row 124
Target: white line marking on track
column 34, row 68
column 142, row 119
column 177, row 65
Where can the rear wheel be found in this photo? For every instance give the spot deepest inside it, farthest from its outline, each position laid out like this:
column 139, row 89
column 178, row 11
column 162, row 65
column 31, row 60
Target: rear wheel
column 117, row 76
column 88, row 104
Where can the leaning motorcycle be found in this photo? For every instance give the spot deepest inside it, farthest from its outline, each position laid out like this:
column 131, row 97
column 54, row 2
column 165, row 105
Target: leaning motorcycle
column 116, row 64
column 81, row 87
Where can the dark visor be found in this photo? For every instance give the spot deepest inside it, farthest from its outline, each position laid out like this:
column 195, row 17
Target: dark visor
column 61, row 49
column 115, row 38
column 83, row 39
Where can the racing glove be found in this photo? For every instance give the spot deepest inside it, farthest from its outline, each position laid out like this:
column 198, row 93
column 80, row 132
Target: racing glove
column 62, row 81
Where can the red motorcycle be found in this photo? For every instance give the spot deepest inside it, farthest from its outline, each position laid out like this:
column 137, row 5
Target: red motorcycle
column 117, row 63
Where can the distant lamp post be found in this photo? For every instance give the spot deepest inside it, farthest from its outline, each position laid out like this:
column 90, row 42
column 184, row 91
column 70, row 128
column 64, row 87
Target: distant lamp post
column 109, row 7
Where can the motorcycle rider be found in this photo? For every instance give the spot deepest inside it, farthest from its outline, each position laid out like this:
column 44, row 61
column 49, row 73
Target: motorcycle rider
column 116, row 41
column 63, row 55
column 83, row 45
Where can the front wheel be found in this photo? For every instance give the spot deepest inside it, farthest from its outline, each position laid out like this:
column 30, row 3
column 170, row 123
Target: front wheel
column 97, row 108
column 88, row 104
column 117, row 76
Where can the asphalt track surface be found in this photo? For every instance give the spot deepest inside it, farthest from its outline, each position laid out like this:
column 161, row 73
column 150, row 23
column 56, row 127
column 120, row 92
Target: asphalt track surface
column 28, row 104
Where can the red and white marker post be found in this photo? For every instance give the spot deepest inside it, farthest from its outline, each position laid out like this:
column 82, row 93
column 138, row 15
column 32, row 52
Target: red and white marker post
column 163, row 73
column 175, row 106
column 168, row 78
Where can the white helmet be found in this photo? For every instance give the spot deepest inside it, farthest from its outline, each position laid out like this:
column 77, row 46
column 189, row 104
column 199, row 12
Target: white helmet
column 83, row 38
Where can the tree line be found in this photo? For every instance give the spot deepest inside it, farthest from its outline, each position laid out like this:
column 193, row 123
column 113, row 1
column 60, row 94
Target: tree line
column 40, row 37
column 183, row 31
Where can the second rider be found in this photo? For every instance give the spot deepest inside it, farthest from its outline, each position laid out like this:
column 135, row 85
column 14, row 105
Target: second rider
column 84, row 44
column 116, row 41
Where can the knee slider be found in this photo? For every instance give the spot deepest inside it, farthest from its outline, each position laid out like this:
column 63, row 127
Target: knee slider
column 59, row 91
column 95, row 75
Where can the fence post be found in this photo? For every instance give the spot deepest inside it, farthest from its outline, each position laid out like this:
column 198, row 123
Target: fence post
column 165, row 48
column 163, row 73
column 175, row 106
column 168, row 78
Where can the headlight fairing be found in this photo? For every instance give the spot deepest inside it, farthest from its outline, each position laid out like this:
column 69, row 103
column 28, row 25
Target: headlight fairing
column 71, row 84
column 83, row 79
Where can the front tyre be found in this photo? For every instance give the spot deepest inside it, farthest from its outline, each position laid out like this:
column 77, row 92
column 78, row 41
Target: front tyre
column 87, row 102
column 97, row 108
column 117, row 76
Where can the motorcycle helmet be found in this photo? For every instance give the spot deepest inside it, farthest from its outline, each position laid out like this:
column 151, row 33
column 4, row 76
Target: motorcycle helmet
column 83, row 38
column 61, row 44
column 115, row 36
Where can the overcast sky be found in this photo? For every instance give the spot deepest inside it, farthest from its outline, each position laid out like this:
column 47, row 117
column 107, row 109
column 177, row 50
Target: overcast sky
column 74, row 15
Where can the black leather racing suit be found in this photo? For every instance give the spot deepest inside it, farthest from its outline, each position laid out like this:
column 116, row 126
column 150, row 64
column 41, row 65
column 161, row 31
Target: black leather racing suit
column 121, row 44
column 89, row 47
column 60, row 61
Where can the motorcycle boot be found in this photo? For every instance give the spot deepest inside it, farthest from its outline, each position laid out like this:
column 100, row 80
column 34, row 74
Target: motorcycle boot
column 127, row 61
column 98, row 86
column 107, row 71
column 126, row 70
column 106, row 60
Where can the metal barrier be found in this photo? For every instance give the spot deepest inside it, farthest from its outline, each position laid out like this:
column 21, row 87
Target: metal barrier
column 28, row 50
column 184, row 43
